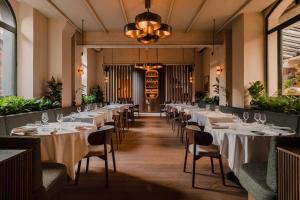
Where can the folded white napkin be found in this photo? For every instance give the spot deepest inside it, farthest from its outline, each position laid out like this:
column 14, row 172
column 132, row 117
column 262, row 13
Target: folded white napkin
column 24, row 129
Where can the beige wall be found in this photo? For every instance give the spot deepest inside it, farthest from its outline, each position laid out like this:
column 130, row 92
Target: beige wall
column 40, row 52
column 25, row 77
column 92, row 75
column 247, row 55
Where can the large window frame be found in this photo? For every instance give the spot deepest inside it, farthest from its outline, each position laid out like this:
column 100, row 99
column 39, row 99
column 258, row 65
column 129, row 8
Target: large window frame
column 14, row 31
column 278, row 31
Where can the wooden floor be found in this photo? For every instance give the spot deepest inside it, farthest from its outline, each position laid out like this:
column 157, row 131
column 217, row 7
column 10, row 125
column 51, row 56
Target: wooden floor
column 150, row 166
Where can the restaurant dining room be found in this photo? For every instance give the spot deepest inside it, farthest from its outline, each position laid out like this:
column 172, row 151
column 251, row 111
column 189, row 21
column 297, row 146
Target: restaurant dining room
column 149, row 99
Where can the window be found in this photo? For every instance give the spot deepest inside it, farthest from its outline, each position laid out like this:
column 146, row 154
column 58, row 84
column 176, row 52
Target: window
column 290, row 55
column 7, row 50
column 283, row 50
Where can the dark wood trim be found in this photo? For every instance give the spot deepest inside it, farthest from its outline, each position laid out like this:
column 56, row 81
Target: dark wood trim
column 279, row 59
column 285, row 24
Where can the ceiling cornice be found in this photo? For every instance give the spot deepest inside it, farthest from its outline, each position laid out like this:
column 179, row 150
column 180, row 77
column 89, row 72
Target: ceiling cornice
column 64, row 15
column 97, row 18
column 234, row 15
column 170, row 11
column 124, row 11
column 194, row 19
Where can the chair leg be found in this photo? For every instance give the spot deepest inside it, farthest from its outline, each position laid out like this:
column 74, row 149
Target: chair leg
column 212, row 165
column 106, row 167
column 113, row 156
column 87, row 164
column 185, row 157
column 222, row 170
column 77, row 173
column 194, row 170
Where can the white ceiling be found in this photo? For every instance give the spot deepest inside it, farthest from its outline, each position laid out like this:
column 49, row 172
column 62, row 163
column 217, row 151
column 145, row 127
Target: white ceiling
column 183, row 12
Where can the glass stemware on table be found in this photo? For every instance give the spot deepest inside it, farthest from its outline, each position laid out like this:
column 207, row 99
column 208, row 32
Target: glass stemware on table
column 60, row 118
column 79, row 109
column 45, row 118
column 257, row 117
column 245, row 116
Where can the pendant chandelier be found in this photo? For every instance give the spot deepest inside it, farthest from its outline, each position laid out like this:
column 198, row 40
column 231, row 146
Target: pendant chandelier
column 147, row 27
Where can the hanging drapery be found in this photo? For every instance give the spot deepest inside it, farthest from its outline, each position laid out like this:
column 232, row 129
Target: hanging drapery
column 119, row 84
column 179, row 82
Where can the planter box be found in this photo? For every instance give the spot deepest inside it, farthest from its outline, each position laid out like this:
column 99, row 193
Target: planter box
column 8, row 122
column 276, row 118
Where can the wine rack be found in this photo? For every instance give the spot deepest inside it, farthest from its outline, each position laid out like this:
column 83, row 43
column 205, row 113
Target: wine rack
column 151, row 84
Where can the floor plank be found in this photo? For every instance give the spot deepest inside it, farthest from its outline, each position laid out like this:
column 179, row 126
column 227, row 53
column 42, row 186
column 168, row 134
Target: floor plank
column 150, row 166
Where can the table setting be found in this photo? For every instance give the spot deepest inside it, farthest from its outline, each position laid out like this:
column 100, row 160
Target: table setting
column 61, row 142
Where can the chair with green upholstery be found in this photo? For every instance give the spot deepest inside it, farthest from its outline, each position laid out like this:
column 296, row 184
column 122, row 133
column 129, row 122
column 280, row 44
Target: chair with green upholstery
column 47, row 178
column 260, row 179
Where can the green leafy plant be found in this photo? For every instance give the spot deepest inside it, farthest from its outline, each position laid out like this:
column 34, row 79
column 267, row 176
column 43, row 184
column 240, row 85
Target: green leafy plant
column 289, row 83
column 211, row 100
column 97, row 92
column 88, row 99
column 256, row 89
column 13, row 105
column 54, row 91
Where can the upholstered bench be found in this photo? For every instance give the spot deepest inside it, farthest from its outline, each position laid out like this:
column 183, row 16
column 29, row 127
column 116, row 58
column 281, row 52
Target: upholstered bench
column 48, row 178
column 260, row 179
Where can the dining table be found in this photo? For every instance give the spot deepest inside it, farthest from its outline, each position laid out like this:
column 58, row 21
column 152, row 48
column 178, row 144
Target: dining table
column 64, row 142
column 238, row 141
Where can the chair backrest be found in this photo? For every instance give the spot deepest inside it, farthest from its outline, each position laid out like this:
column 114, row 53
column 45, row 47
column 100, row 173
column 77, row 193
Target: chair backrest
column 137, row 106
column 199, row 138
column 102, row 136
column 18, row 142
column 291, row 142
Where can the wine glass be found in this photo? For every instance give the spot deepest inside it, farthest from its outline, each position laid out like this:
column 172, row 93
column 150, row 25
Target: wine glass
column 207, row 107
column 79, row 109
column 59, row 118
column 262, row 118
column 73, row 116
column 257, row 117
column 45, row 118
column 245, row 116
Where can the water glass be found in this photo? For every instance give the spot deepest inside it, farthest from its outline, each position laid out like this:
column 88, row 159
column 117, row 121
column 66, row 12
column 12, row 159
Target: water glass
column 246, row 116
column 59, row 118
column 257, row 117
column 45, row 118
column 79, row 109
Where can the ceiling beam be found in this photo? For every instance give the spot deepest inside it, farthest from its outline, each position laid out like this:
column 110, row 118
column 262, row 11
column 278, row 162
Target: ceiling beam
column 64, row 15
column 170, row 11
column 194, row 19
column 236, row 13
column 124, row 11
column 95, row 15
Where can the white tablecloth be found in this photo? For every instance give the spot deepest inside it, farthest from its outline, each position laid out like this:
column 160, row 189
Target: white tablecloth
column 67, row 146
column 236, row 141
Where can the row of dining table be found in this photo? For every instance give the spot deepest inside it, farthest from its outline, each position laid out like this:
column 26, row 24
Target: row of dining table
column 238, row 141
column 66, row 142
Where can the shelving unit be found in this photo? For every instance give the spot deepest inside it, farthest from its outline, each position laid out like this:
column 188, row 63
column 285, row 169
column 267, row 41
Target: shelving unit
column 151, row 84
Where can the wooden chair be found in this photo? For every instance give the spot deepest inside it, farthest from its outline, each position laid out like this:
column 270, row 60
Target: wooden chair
column 100, row 143
column 114, row 123
column 163, row 109
column 199, row 144
column 136, row 109
column 184, row 122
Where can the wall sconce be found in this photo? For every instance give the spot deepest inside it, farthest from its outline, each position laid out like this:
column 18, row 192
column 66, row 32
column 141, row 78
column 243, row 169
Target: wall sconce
column 191, row 79
column 219, row 70
column 80, row 70
column 106, row 79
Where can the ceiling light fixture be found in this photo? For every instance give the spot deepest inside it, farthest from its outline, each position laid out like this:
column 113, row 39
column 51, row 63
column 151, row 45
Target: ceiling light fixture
column 147, row 27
